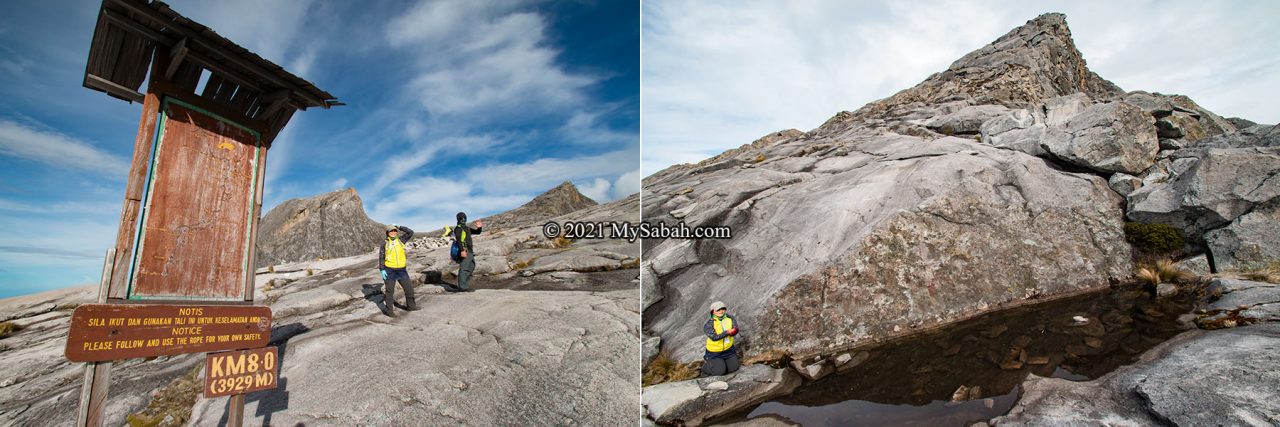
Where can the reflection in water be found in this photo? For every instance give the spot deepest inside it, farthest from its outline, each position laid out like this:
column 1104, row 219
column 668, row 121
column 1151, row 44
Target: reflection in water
column 914, row 381
column 861, row 412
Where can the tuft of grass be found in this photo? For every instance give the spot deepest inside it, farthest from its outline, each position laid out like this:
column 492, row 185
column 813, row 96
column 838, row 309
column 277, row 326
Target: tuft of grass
column 759, row 158
column 271, row 269
column 309, row 272
column 1163, row 271
column 523, row 264
column 8, row 328
column 1261, row 276
column 561, row 242
column 174, row 401
column 665, row 369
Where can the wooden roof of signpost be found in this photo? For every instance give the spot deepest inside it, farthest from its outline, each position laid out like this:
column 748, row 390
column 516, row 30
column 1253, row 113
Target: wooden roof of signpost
column 125, row 43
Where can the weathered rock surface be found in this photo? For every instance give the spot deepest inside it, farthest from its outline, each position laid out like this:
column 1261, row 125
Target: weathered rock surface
column 693, row 402
column 1250, row 242
column 331, row 225
column 899, row 215
column 1208, row 188
column 1223, row 377
column 1110, row 137
column 876, row 224
column 967, row 120
column 494, row 357
column 1240, row 302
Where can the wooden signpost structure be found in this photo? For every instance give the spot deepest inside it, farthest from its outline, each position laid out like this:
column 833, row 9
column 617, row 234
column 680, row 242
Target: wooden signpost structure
column 180, row 278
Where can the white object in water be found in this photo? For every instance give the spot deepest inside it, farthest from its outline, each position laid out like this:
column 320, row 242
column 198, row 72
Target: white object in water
column 1080, row 320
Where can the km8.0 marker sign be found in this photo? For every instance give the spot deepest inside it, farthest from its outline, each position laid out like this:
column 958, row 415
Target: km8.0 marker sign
column 240, row 372
column 101, row 332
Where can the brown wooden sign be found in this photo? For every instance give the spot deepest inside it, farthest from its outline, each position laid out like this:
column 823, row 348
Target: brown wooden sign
column 102, row 332
column 198, row 209
column 240, row 372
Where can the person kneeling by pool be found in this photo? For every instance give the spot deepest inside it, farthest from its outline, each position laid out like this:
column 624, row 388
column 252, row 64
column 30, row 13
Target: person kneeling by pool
column 721, row 356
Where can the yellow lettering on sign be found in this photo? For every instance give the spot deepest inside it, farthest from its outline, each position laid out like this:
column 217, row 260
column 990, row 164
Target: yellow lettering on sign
column 235, row 365
column 187, row 330
column 263, row 379
column 98, row 346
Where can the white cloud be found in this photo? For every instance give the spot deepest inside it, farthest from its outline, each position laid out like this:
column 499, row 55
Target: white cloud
column 338, row 184
column 721, row 74
column 597, row 189
column 626, row 185
column 403, row 163
column 431, row 202
column 57, row 150
column 478, row 58
column 585, row 127
column 542, row 174
column 272, row 30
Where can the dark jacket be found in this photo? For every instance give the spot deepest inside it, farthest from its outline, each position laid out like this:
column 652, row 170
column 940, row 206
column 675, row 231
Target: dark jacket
column 466, row 244
column 405, row 235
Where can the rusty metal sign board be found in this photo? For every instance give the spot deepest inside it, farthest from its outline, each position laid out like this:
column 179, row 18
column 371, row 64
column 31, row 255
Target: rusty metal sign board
column 101, row 332
column 198, row 208
column 240, row 372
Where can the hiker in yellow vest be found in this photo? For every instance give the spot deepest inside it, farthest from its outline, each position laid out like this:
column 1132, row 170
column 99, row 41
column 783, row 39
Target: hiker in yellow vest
column 393, row 264
column 721, row 356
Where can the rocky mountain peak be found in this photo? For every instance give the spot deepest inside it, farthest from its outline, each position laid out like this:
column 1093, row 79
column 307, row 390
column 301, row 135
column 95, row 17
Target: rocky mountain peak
column 328, row 225
column 560, row 200
column 1025, row 67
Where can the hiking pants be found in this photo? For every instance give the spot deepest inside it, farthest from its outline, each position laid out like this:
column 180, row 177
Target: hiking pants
column 389, row 287
column 716, row 364
column 465, row 269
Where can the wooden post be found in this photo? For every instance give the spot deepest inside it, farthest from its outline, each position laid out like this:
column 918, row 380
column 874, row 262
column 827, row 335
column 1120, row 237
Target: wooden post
column 97, row 375
column 235, row 411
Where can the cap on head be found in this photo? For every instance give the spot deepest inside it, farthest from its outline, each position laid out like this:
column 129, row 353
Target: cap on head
column 392, row 227
column 717, row 305
column 462, row 217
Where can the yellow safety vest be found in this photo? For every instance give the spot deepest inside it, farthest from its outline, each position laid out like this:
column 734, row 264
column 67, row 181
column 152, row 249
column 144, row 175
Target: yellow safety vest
column 394, row 254
column 716, row 346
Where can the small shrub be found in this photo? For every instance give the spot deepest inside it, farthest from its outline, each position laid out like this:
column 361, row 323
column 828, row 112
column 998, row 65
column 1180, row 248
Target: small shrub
column 1154, row 238
column 759, row 158
column 309, row 272
column 271, row 269
column 665, row 369
column 8, row 328
column 561, row 242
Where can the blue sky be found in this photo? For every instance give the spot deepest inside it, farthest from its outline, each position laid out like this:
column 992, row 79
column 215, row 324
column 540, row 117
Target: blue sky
column 719, row 74
column 452, row 105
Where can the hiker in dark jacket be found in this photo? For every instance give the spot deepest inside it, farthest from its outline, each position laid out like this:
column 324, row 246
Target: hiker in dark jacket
column 393, row 265
column 721, row 356
column 462, row 234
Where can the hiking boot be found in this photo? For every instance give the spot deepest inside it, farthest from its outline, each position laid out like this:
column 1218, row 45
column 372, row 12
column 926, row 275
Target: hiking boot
column 389, row 310
column 411, row 306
